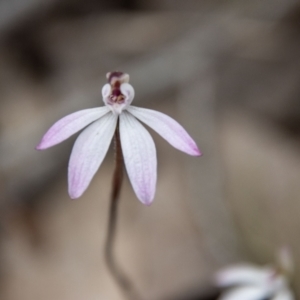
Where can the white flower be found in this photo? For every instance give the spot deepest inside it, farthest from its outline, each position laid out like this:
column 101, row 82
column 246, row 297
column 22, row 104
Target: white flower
column 248, row 282
column 138, row 147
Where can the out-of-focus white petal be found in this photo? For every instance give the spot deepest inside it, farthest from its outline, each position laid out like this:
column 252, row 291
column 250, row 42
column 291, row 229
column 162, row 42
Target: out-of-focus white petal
column 246, row 293
column 278, row 283
column 285, row 260
column 88, row 153
column 168, row 128
column 243, row 274
column 69, row 125
column 284, row 294
column 140, row 157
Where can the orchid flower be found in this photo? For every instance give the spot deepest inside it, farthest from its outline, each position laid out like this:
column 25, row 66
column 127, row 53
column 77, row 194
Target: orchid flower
column 250, row 282
column 138, row 148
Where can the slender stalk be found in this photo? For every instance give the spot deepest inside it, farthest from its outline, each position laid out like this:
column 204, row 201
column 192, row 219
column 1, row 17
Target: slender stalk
column 120, row 277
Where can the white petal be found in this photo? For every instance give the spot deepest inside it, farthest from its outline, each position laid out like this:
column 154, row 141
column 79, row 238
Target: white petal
column 243, row 274
column 168, row 128
column 69, row 125
column 140, row 157
column 284, row 295
column 88, row 153
column 246, row 293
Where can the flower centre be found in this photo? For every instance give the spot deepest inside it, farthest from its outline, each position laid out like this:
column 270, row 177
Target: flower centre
column 116, row 96
column 115, row 79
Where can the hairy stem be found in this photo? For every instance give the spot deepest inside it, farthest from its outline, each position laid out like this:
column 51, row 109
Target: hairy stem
column 120, row 277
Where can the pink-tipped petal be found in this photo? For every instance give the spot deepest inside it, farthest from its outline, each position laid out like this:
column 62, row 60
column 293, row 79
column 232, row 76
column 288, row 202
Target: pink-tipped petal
column 88, row 153
column 69, row 125
column 168, row 128
column 140, row 157
column 243, row 274
column 247, row 293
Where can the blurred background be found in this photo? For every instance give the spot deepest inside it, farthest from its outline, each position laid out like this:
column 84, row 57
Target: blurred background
column 228, row 71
